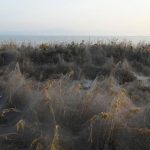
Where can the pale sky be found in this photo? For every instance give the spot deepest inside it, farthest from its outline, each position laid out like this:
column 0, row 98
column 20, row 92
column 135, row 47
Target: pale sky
column 75, row 17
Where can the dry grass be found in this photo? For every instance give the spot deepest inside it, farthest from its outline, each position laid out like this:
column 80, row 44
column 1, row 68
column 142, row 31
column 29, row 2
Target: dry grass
column 66, row 97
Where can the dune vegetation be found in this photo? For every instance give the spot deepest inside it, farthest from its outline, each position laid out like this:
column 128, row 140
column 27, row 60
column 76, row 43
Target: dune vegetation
column 75, row 96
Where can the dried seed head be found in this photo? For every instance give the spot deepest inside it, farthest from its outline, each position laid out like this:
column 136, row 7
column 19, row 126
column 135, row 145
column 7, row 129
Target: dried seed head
column 20, row 126
column 105, row 115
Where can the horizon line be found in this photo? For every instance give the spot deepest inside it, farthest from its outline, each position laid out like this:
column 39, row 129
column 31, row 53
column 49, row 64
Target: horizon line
column 71, row 35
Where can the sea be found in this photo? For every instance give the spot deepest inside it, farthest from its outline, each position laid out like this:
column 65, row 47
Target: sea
column 39, row 39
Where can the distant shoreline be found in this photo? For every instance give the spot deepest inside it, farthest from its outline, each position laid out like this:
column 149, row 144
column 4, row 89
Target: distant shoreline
column 38, row 39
